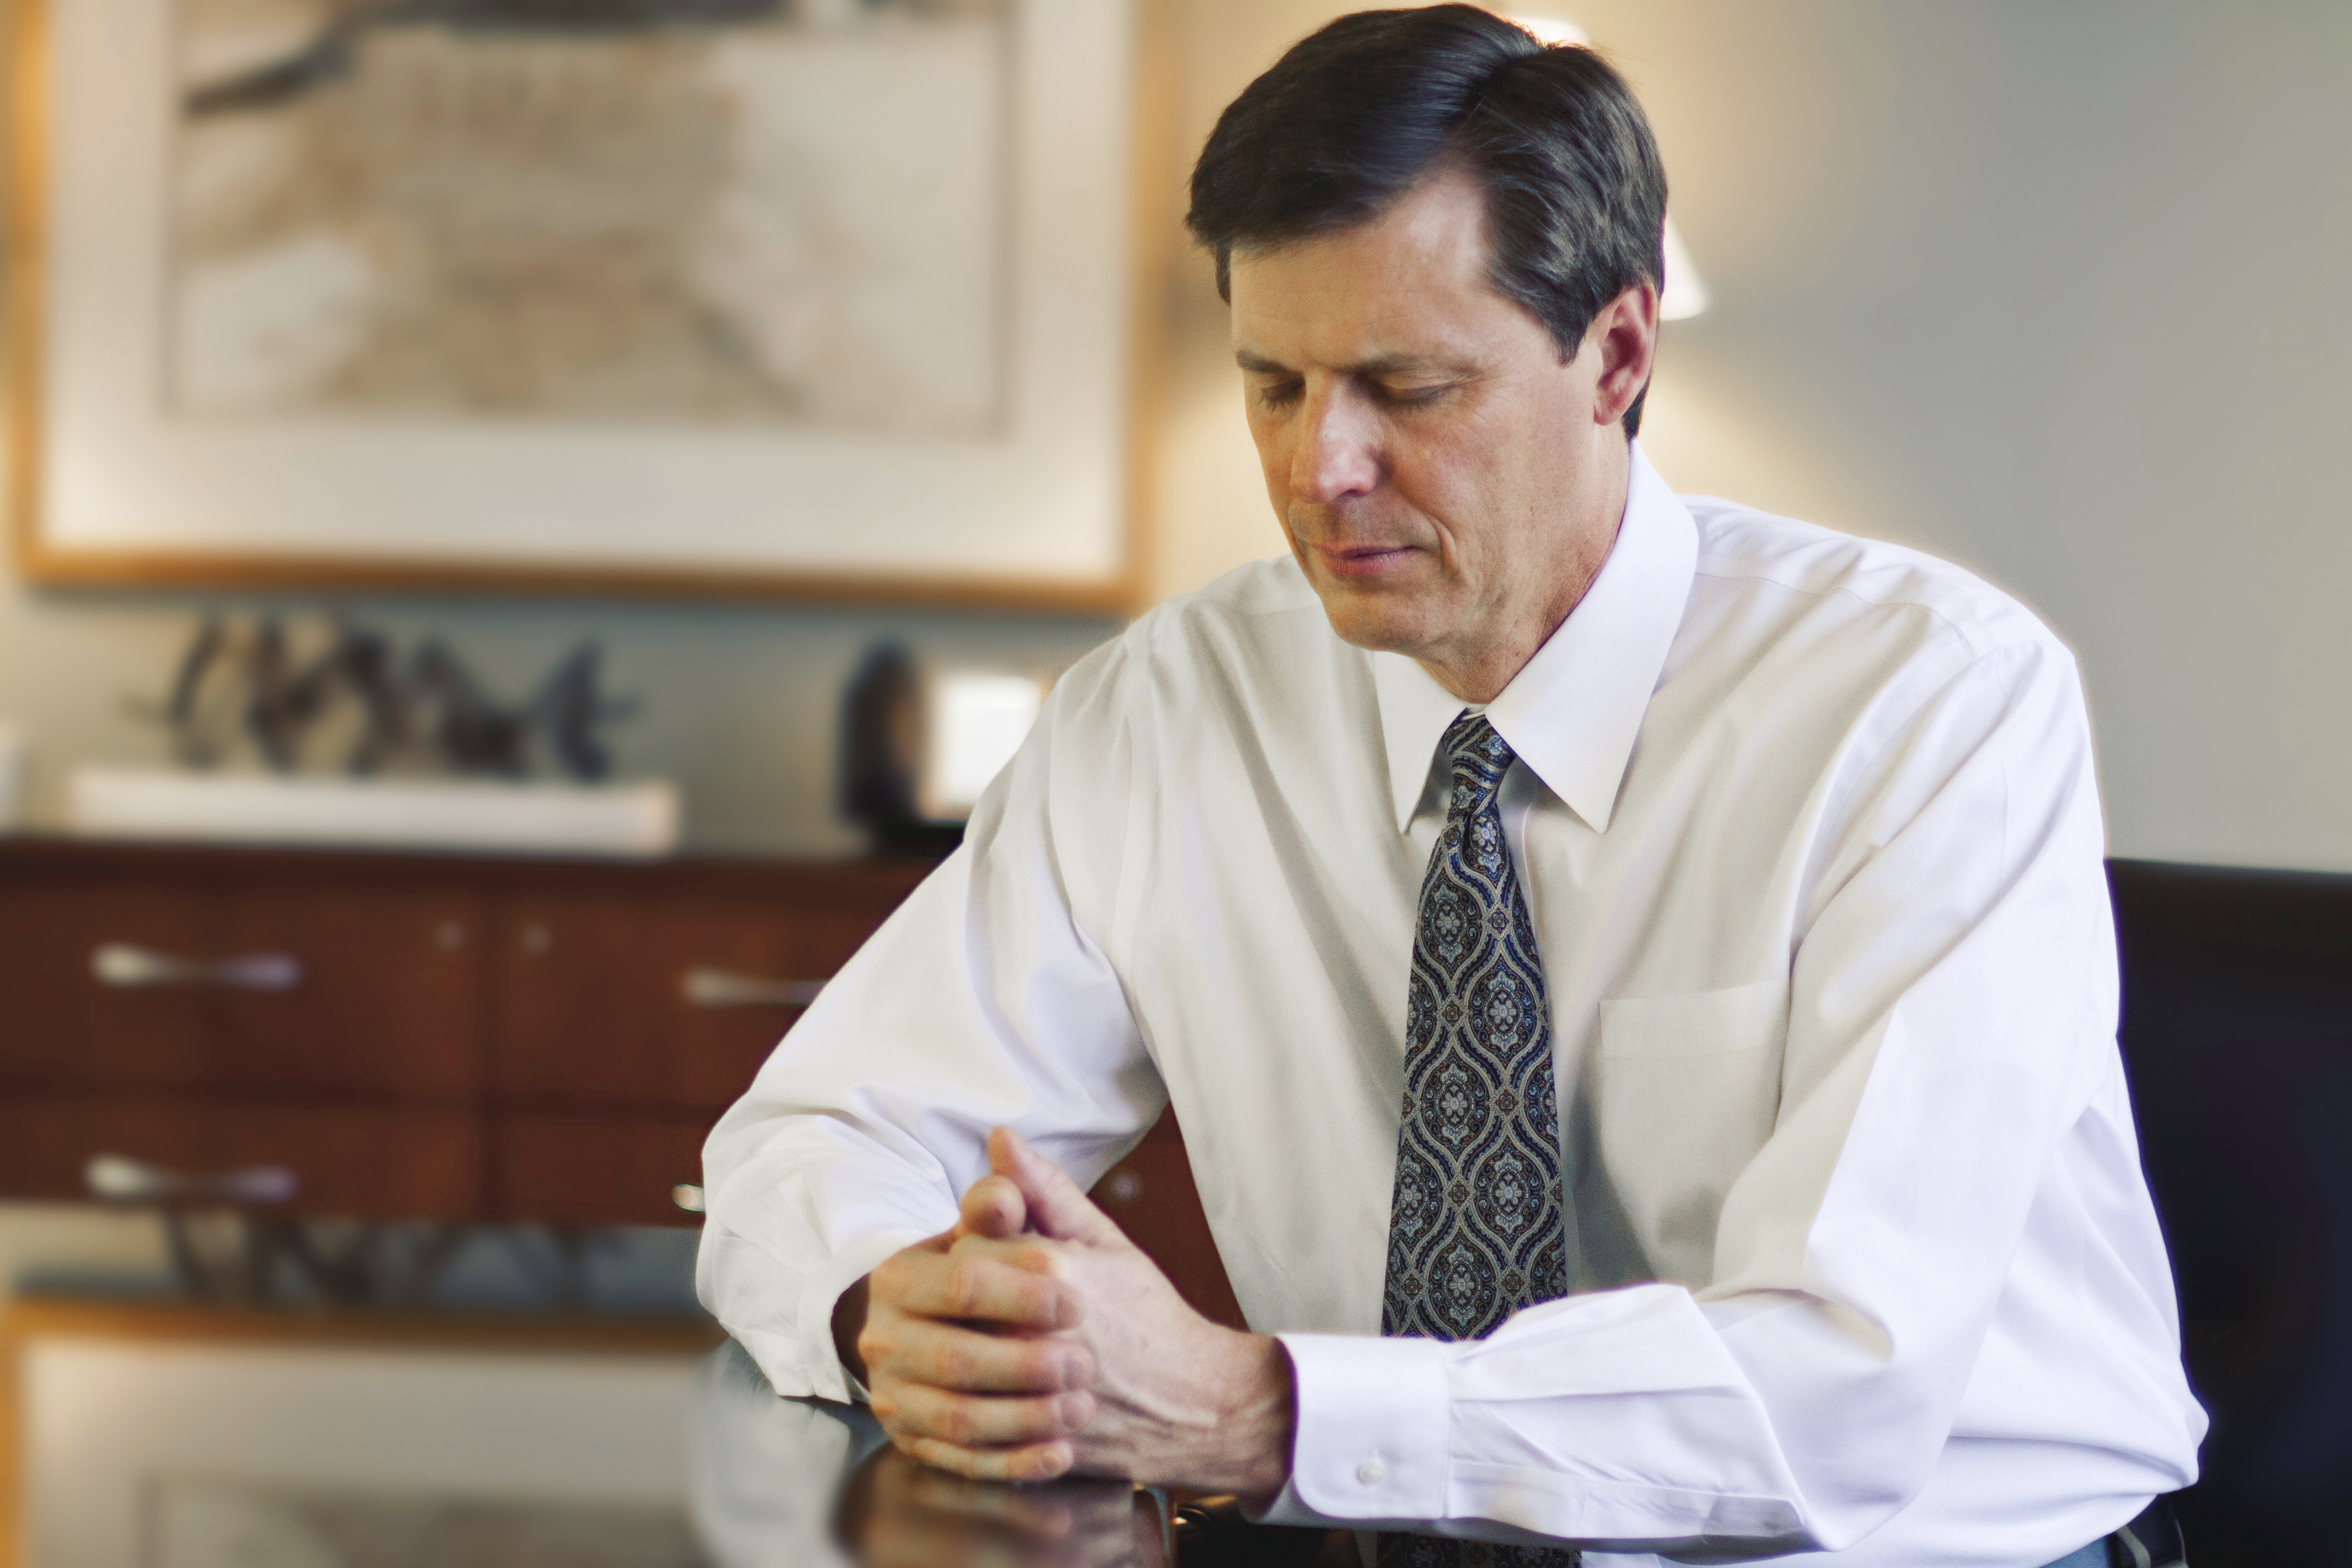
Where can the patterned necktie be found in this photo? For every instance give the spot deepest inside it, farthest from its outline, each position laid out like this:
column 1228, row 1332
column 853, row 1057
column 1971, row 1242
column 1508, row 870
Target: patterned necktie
column 1477, row 1227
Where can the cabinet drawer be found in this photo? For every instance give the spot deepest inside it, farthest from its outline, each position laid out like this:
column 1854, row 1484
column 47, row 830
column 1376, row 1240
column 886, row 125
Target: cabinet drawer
column 671, row 1002
column 372, row 995
column 553, row 1170
column 348, row 1161
column 59, row 1025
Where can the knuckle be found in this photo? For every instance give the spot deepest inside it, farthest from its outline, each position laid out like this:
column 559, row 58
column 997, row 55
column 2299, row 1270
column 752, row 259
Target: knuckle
column 963, row 1286
column 1050, row 1366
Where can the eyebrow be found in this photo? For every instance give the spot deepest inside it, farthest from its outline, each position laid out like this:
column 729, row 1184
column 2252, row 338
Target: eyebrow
column 1387, row 364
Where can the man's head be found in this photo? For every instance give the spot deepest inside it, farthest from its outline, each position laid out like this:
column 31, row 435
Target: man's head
column 1442, row 241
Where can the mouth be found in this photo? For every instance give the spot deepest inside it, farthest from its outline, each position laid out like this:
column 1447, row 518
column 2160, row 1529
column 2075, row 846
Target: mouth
column 1362, row 563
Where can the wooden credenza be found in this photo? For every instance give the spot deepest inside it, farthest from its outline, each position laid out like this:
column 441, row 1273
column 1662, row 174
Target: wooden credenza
column 449, row 1038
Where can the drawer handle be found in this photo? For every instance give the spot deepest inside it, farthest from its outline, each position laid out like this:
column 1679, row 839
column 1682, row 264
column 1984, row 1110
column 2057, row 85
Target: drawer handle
column 723, row 988
column 120, row 1179
column 128, row 968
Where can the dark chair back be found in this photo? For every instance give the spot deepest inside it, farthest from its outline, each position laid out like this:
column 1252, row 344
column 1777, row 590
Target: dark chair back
column 2237, row 1036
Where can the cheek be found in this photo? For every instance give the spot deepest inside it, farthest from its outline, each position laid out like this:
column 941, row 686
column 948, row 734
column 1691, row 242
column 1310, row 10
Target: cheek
column 1272, row 439
column 1484, row 481
column 1452, row 485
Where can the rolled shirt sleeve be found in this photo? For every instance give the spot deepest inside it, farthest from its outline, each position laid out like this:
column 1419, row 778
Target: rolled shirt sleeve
column 981, row 1002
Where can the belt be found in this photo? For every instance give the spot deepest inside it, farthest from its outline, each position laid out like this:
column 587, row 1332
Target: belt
column 2151, row 1541
column 1212, row 1533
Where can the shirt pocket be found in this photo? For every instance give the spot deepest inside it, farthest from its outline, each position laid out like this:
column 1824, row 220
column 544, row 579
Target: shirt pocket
column 1687, row 1087
column 1697, row 1023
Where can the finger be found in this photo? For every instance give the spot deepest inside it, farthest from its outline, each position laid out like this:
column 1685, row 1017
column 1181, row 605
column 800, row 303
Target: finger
column 1056, row 1208
column 1033, row 1462
column 1037, row 1255
column 948, row 1355
column 1026, row 1509
column 942, row 1541
column 987, row 1282
column 984, row 1421
column 992, row 1208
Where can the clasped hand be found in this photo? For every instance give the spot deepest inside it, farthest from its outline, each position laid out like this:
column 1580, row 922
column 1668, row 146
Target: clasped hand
column 901, row 1514
column 1034, row 1339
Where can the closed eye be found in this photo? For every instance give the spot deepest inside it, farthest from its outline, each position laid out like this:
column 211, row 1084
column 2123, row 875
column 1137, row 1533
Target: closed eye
column 1279, row 393
column 1408, row 394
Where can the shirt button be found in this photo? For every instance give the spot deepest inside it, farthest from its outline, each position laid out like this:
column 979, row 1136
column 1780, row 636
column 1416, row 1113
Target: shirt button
column 1371, row 1472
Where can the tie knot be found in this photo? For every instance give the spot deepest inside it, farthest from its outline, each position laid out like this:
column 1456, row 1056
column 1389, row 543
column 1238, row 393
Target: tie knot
column 1477, row 756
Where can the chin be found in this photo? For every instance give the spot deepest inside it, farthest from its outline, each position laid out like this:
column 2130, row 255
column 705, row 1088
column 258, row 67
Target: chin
column 1382, row 622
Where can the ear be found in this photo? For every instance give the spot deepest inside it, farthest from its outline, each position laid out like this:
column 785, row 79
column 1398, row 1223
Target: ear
column 1625, row 337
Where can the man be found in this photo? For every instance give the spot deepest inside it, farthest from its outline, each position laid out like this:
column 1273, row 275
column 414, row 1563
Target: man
column 1635, row 975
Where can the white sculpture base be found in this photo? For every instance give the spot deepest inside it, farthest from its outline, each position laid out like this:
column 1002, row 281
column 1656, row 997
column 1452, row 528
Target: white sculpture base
column 637, row 820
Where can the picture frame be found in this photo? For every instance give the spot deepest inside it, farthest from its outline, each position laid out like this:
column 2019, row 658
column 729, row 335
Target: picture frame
column 129, row 467
column 153, row 1434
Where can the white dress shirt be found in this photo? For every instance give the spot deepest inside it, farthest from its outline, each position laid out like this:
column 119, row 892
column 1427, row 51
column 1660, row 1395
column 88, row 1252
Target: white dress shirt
column 1809, row 833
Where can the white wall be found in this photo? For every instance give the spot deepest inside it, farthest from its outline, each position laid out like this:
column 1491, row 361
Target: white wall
column 2057, row 292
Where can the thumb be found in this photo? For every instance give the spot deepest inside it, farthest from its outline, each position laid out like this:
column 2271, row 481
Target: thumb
column 992, row 1207
column 1056, row 1208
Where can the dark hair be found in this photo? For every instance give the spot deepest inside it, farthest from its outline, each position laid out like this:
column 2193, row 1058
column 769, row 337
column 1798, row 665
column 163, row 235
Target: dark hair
column 1359, row 113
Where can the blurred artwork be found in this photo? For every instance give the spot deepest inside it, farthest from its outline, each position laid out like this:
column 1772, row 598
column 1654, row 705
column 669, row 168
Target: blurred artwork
column 768, row 212
column 215, row 1524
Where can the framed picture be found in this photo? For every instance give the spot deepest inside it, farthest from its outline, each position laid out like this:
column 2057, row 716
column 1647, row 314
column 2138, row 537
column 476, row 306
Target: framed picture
column 791, row 297
column 188, row 1437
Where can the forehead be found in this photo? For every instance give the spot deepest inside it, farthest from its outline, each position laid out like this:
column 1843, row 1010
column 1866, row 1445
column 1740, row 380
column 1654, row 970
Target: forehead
column 1413, row 280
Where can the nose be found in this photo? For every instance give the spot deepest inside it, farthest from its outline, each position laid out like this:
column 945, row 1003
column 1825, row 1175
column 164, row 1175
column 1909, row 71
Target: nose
column 1338, row 452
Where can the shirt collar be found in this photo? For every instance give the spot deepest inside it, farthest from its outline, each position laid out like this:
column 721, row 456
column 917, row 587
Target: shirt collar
column 1572, row 711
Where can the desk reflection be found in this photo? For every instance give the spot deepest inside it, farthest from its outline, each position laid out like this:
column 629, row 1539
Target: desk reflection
column 800, row 1482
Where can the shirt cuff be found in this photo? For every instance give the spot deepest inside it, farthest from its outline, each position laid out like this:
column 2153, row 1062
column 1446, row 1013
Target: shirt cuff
column 827, row 1377
column 1375, row 1422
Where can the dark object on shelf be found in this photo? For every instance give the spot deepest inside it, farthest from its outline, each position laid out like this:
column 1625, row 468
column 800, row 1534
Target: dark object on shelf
column 432, row 709
column 474, row 733
column 569, row 710
column 231, row 1239
column 2237, row 1036
column 881, row 757
column 190, row 741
